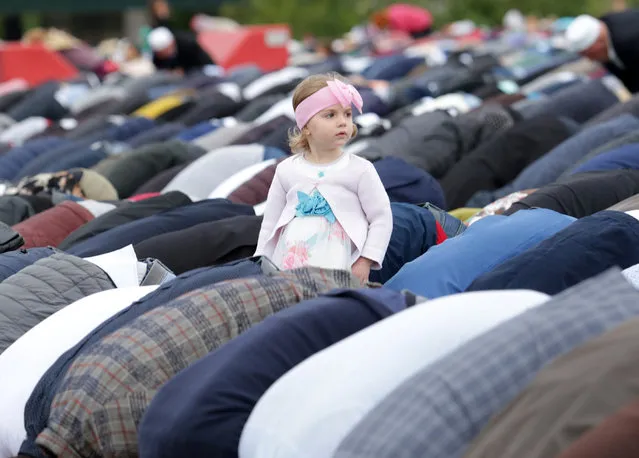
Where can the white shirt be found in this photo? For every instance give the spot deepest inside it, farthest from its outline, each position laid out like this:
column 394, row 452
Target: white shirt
column 282, row 108
column 309, row 411
column 120, row 265
column 632, row 272
column 23, row 364
column 272, row 80
column 207, row 172
column 96, row 207
column 226, row 188
column 632, row 275
column 24, row 130
column 633, row 213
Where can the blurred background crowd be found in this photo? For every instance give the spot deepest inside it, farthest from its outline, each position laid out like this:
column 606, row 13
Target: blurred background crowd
column 316, row 23
column 94, row 21
column 138, row 144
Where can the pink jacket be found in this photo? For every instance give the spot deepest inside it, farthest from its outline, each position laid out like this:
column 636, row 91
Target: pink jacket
column 356, row 196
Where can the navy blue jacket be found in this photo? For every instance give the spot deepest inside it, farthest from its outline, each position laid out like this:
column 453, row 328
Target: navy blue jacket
column 121, row 133
column 13, row 262
column 414, row 232
column 162, row 223
column 406, row 183
column 624, row 157
column 158, row 134
column 582, row 250
column 12, row 162
column 126, row 212
column 201, row 412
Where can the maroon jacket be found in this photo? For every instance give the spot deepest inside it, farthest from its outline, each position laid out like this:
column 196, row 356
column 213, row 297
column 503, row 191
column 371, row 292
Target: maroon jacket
column 254, row 191
column 52, row 226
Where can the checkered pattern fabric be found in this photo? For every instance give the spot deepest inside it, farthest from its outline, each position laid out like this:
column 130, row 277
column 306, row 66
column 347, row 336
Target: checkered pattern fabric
column 106, row 391
column 438, row 411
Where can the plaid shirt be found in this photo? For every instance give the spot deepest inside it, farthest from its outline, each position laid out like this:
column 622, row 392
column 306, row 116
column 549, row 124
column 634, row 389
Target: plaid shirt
column 106, row 391
column 569, row 398
column 438, row 411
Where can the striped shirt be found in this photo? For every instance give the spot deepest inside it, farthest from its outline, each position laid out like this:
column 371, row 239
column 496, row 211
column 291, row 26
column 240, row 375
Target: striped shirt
column 437, row 412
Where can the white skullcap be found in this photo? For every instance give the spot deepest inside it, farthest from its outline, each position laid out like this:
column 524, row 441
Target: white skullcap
column 582, row 33
column 514, row 20
column 160, row 38
column 461, row 28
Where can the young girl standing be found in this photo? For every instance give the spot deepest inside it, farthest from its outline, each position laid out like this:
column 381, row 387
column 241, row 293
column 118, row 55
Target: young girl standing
column 326, row 208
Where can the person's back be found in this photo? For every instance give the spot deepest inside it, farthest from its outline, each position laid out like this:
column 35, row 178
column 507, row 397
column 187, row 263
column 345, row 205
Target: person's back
column 624, row 35
column 409, row 18
column 190, row 53
column 177, row 50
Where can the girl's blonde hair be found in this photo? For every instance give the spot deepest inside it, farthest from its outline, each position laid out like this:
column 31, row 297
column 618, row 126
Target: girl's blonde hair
column 297, row 139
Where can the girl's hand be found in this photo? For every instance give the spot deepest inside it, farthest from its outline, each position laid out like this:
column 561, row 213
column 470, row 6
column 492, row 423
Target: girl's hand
column 362, row 269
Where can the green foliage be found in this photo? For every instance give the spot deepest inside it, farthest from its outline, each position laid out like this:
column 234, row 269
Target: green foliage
column 327, row 18
column 331, row 18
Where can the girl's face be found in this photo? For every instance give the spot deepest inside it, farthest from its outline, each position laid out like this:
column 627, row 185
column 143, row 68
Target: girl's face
column 331, row 128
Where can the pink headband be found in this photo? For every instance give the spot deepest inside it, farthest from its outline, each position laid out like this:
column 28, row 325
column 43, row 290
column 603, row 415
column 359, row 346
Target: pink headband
column 336, row 92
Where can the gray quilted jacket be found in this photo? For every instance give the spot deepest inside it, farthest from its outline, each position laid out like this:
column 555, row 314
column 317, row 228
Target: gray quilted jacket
column 43, row 288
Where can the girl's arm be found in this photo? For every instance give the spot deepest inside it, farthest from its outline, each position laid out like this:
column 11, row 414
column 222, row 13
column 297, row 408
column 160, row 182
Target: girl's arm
column 275, row 204
column 376, row 205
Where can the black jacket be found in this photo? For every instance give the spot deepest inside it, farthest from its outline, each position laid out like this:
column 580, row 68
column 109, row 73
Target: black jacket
column 625, row 39
column 189, row 56
column 206, row 244
column 582, row 194
column 497, row 162
column 127, row 212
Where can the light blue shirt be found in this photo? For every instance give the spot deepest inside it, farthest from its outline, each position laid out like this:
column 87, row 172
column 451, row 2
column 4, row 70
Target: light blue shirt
column 452, row 266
